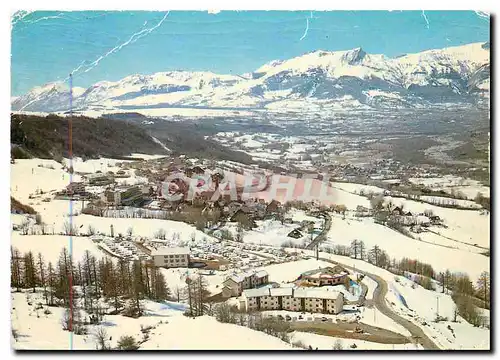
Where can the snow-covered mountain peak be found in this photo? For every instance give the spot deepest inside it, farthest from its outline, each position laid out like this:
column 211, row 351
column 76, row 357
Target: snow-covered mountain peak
column 317, row 79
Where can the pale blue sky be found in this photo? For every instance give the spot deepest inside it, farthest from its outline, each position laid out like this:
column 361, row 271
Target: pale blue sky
column 47, row 46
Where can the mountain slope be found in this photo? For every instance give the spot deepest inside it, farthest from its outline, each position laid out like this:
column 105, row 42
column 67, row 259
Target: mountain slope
column 112, row 136
column 316, row 80
column 47, row 137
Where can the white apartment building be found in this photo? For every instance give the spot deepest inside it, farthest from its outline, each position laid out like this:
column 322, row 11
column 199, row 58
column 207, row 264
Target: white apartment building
column 235, row 284
column 312, row 300
column 171, row 257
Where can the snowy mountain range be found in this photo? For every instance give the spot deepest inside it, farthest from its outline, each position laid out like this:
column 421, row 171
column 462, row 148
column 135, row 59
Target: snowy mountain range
column 316, row 81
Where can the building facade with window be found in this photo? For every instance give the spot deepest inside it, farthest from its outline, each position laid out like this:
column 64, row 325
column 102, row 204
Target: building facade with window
column 171, row 257
column 235, row 284
column 311, row 300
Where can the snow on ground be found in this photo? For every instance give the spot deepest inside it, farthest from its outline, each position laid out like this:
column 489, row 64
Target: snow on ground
column 175, row 332
column 449, row 183
column 357, row 188
column 351, row 201
column 464, row 225
column 27, row 177
column 424, row 305
column 146, row 156
column 470, row 191
column 93, row 165
column 55, row 213
column 300, row 215
column 372, row 316
column 274, row 233
column 397, row 245
column 425, row 302
column 43, row 333
column 248, row 141
column 176, row 278
column 271, row 232
column 51, row 246
column 445, row 200
column 371, row 285
column 290, row 271
column 323, row 342
column 206, row 333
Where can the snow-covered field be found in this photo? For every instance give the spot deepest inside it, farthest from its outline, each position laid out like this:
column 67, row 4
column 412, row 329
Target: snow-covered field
column 468, row 226
column 397, row 245
column 444, row 200
column 38, row 331
column 273, row 232
column 424, row 305
column 27, row 177
column 449, row 183
column 176, row 278
column 50, row 246
column 357, row 188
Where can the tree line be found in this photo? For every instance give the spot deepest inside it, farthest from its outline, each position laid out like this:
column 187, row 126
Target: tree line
column 122, row 284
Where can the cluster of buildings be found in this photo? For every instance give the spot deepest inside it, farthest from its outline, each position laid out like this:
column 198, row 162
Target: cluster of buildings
column 126, row 195
column 336, row 275
column 307, row 294
column 235, row 284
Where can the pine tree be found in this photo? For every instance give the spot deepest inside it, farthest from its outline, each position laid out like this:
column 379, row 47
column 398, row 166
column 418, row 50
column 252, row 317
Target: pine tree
column 64, row 273
column 202, row 294
column 51, row 282
column 115, row 288
column 83, row 285
column 30, row 272
column 43, row 280
column 362, row 250
column 87, row 278
column 354, row 248
column 483, row 286
column 148, row 287
column 160, row 290
column 138, row 285
column 374, row 255
column 16, row 279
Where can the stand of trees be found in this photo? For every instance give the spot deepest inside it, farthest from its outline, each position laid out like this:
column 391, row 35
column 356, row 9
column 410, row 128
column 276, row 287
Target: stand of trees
column 272, row 326
column 121, row 284
column 198, row 297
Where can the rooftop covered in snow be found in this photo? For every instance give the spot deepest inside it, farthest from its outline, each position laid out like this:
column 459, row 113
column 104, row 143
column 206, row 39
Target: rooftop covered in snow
column 170, row 251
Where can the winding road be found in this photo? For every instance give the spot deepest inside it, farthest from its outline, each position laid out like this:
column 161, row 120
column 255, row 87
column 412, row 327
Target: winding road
column 380, row 303
column 321, row 236
column 379, row 294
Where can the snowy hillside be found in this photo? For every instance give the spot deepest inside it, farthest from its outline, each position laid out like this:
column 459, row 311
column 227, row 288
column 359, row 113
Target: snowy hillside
column 319, row 80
